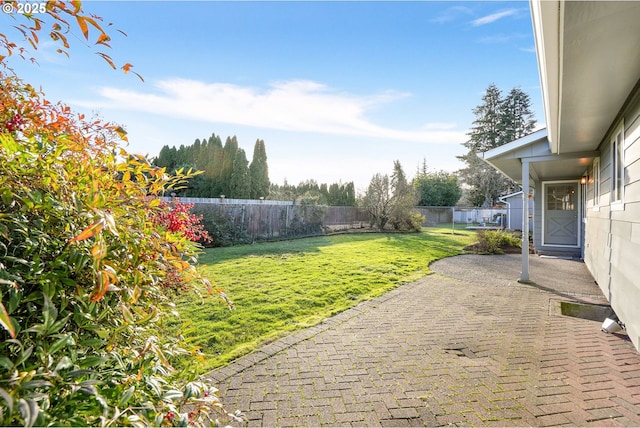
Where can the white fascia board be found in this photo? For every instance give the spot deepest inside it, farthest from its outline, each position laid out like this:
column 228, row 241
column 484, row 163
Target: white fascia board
column 515, row 145
column 547, row 24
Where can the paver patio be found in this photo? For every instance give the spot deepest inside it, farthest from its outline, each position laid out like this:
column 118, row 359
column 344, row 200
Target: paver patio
column 465, row 346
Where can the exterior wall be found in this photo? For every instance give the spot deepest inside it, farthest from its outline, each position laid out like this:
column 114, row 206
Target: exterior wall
column 612, row 243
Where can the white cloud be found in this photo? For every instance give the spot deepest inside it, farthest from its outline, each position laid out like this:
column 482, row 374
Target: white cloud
column 452, row 14
column 494, row 17
column 296, row 105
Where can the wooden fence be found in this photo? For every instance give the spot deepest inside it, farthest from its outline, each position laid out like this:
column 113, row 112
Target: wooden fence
column 266, row 219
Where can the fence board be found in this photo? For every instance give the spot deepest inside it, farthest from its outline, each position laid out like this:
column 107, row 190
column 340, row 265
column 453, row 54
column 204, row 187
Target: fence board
column 266, row 219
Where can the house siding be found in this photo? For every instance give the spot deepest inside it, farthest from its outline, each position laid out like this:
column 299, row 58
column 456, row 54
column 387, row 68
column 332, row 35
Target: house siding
column 612, row 241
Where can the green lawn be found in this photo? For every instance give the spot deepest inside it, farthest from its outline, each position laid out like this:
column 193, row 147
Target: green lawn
column 279, row 287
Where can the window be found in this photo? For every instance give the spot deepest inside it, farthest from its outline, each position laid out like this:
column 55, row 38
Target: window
column 561, row 197
column 617, row 166
column 596, row 182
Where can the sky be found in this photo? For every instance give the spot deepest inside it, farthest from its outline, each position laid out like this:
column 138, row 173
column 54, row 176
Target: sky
column 337, row 90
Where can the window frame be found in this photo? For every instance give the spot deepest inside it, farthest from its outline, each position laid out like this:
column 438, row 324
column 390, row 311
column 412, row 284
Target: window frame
column 617, row 168
column 596, row 184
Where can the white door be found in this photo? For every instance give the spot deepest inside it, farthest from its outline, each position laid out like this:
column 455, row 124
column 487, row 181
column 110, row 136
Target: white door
column 561, row 216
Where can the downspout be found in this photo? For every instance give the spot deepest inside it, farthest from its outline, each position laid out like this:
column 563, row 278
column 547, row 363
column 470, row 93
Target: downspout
column 524, row 274
column 501, row 199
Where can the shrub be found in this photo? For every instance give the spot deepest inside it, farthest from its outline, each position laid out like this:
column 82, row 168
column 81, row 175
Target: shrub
column 177, row 217
column 222, row 230
column 493, row 241
column 410, row 221
column 83, row 274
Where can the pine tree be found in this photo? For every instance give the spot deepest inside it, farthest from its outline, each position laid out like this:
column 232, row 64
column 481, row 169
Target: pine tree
column 259, row 171
column 229, row 152
column 498, row 121
column 164, row 159
column 240, row 182
column 517, row 117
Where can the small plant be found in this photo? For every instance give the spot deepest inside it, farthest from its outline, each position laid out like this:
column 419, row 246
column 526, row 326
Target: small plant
column 494, row 241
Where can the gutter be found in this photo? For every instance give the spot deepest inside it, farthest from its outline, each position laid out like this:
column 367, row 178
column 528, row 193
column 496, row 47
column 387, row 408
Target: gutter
column 508, row 211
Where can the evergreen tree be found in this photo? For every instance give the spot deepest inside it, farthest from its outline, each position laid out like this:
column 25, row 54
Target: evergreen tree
column 517, row 117
column 350, row 194
column 437, row 189
column 403, row 198
column 164, row 159
column 212, row 159
column 498, row 121
column 286, row 192
column 240, row 183
column 220, row 167
column 259, row 171
column 229, row 152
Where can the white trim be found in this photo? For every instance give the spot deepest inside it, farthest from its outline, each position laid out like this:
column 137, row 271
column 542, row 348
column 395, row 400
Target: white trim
column 597, row 183
column 578, row 213
column 618, row 147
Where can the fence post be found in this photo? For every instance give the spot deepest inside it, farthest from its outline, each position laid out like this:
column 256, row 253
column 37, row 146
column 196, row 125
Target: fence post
column 453, row 220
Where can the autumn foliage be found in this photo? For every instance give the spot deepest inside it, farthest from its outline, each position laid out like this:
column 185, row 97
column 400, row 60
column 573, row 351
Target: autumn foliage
column 55, row 20
column 84, row 254
column 178, row 218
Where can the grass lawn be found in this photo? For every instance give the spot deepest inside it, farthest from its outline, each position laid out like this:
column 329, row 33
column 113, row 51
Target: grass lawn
column 279, row 287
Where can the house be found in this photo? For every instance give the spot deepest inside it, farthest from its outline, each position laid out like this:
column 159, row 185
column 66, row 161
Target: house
column 584, row 168
column 514, row 213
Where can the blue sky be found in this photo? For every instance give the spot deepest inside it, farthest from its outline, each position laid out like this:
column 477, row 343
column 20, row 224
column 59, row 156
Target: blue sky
column 337, row 90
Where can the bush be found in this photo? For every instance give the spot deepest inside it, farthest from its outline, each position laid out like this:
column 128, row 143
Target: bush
column 410, row 221
column 493, row 241
column 86, row 276
column 222, row 230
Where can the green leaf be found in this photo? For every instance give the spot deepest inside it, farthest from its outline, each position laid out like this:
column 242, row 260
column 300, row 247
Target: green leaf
column 38, row 383
column 9, row 144
column 59, row 324
column 126, row 397
column 14, row 302
column 64, row 363
column 75, row 374
column 38, row 329
column 29, row 411
column 49, row 313
column 64, row 341
column 5, row 321
column 172, row 394
column 8, row 399
column 155, row 386
column 24, row 355
column 89, row 390
column 6, row 363
column 7, row 197
column 91, row 361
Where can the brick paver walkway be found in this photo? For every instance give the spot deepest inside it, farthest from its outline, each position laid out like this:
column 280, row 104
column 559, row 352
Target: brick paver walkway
column 467, row 346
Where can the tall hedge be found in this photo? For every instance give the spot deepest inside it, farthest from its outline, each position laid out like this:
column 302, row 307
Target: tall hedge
column 87, row 276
